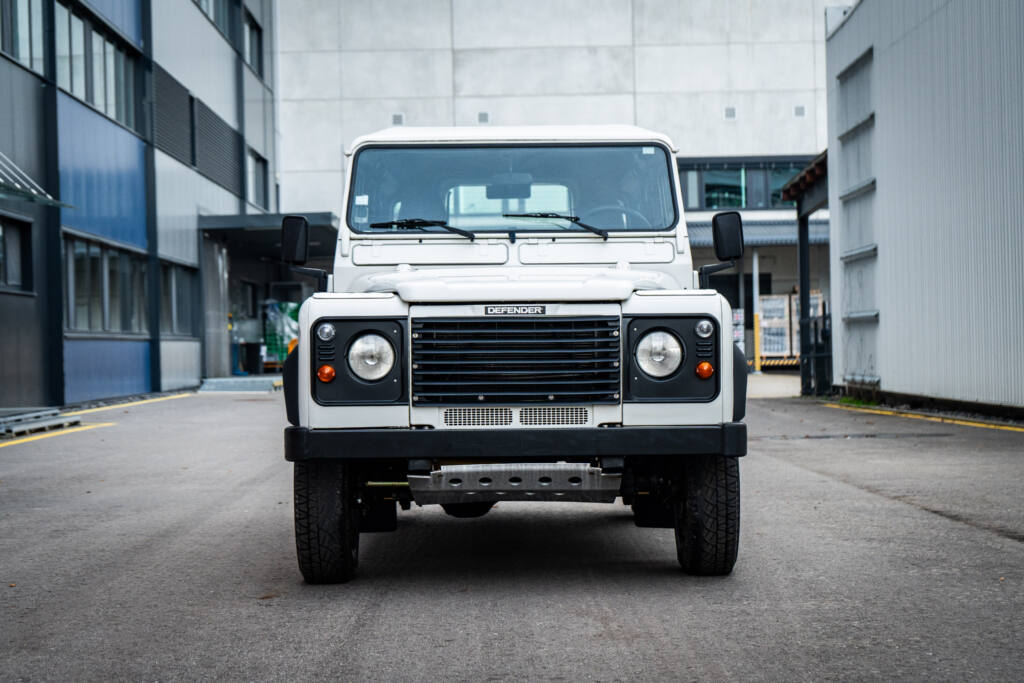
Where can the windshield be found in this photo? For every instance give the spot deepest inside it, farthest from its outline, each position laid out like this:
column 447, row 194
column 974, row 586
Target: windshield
column 608, row 187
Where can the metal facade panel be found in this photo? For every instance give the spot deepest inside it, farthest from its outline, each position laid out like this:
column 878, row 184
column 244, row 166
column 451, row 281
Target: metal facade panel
column 188, row 45
column 102, row 174
column 25, row 367
column 948, row 157
column 100, row 368
column 124, row 15
column 218, row 149
column 172, row 116
column 179, row 364
column 182, row 195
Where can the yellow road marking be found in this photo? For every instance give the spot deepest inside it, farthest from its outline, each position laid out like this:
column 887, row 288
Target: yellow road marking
column 59, row 432
column 125, row 405
column 929, row 418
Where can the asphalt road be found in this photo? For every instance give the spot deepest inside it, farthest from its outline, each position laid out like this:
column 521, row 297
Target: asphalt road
column 160, row 548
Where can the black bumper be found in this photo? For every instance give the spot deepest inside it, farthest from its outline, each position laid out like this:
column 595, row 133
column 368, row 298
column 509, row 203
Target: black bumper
column 301, row 443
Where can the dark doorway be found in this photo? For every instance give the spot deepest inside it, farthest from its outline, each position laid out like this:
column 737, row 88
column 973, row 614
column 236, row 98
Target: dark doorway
column 728, row 286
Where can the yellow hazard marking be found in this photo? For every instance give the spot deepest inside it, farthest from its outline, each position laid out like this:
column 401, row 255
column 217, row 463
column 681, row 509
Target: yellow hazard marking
column 56, row 432
column 125, row 405
column 929, row 418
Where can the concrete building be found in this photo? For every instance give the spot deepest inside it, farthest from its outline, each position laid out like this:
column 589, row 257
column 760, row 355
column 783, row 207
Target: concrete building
column 739, row 86
column 123, row 122
column 926, row 166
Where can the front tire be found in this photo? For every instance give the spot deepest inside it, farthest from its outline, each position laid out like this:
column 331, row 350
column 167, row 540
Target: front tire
column 707, row 522
column 326, row 522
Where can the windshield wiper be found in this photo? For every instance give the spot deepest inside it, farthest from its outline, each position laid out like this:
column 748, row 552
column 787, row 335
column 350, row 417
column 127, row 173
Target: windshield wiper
column 571, row 219
column 412, row 223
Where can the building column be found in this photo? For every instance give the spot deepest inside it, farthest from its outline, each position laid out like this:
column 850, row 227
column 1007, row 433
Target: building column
column 804, row 258
column 756, row 293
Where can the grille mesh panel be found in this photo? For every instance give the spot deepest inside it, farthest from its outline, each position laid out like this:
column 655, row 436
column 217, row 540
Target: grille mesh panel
column 478, row 417
column 563, row 415
column 515, row 360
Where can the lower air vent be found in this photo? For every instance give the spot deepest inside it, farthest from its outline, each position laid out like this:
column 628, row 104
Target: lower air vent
column 477, row 417
column 554, row 416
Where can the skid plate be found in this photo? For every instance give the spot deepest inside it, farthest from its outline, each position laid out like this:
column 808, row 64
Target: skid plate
column 578, row 482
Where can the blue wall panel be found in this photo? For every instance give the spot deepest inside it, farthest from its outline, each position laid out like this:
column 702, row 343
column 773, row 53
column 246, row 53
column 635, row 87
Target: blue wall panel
column 100, row 368
column 124, row 15
column 102, row 174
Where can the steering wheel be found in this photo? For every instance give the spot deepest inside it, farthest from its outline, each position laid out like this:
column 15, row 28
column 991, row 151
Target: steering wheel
column 588, row 215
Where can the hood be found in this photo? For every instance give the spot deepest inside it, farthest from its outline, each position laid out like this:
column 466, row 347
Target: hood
column 514, row 284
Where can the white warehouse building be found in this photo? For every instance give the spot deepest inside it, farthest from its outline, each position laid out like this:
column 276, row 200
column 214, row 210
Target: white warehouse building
column 739, row 86
column 926, row 170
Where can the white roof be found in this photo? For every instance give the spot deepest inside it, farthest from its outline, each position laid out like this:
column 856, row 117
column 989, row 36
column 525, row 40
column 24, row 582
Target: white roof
column 446, row 134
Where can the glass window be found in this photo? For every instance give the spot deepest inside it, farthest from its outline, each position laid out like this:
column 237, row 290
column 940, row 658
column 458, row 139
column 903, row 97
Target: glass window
column 37, row 36
column 723, row 189
column 80, row 272
column 23, row 32
column 11, row 256
column 692, row 189
column 616, row 187
column 252, row 44
column 167, row 298
column 256, row 179
column 756, row 188
column 99, row 88
column 184, row 281
column 63, row 38
column 115, row 316
column 77, row 57
column 110, row 68
column 95, row 287
column 778, row 177
column 120, row 112
column 138, row 321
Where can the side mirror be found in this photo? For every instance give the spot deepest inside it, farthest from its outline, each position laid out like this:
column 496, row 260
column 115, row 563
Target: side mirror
column 727, row 235
column 294, row 240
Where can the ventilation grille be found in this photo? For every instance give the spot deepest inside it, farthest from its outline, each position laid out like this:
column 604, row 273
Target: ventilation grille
column 568, row 415
column 515, row 360
column 478, row 417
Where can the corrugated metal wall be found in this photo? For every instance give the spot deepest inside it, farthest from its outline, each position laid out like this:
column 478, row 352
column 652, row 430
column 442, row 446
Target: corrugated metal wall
column 945, row 148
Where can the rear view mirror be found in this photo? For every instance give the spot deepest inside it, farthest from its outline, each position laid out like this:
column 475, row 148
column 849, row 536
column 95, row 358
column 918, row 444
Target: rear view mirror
column 294, row 240
column 510, row 186
column 727, row 235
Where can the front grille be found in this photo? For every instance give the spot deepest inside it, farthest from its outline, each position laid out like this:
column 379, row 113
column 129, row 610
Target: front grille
column 515, row 360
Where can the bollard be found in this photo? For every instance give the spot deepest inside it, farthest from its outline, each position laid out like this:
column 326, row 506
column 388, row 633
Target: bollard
column 757, row 343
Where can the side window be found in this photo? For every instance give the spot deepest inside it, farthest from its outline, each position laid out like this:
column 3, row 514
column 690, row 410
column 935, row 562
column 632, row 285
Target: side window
column 14, row 258
column 178, row 294
column 104, row 288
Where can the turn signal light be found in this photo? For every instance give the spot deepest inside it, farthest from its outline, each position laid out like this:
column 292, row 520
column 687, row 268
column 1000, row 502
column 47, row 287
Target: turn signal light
column 325, row 373
column 704, row 370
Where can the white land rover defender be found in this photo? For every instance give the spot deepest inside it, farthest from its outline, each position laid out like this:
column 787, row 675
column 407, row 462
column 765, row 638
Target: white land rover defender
column 513, row 315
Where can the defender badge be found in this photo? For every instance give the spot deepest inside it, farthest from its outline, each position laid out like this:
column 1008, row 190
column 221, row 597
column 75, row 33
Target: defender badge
column 515, row 310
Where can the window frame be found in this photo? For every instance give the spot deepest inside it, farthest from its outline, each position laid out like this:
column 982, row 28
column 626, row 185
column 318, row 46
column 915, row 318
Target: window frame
column 11, row 224
column 12, row 42
column 171, row 323
column 764, row 167
column 117, row 68
column 132, row 299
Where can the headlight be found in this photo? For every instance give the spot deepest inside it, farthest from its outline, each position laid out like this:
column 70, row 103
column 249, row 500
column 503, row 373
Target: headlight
column 704, row 329
column 371, row 357
column 659, row 353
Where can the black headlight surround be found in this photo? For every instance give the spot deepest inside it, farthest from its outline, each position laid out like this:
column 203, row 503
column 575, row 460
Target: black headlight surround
column 682, row 386
column 347, row 389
